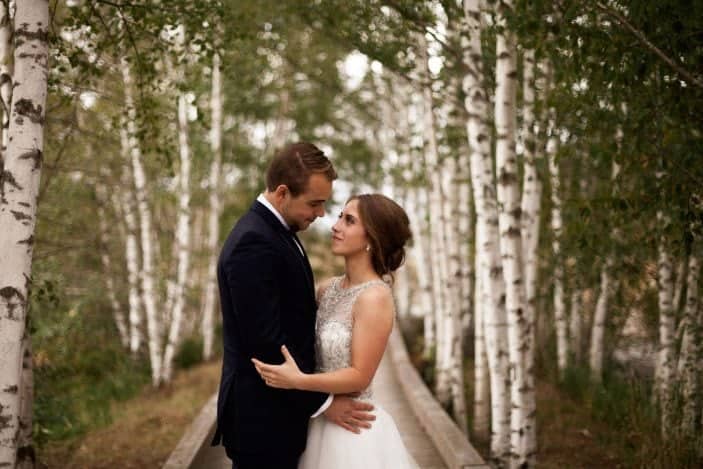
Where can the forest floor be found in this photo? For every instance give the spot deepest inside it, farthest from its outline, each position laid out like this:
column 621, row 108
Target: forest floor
column 568, row 436
column 145, row 429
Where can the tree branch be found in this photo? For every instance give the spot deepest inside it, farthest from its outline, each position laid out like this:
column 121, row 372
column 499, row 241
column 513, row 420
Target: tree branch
column 685, row 74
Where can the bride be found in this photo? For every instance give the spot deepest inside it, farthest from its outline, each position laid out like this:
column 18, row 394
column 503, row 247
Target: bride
column 354, row 320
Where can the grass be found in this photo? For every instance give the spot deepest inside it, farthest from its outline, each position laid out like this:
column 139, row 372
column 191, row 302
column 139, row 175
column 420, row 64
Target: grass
column 143, row 430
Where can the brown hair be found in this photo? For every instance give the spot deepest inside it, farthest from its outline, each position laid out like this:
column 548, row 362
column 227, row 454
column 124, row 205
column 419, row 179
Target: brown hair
column 293, row 166
column 387, row 228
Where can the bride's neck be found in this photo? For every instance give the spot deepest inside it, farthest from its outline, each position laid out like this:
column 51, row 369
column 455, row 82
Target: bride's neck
column 358, row 269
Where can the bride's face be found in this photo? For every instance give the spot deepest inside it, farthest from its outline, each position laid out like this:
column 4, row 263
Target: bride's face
column 348, row 234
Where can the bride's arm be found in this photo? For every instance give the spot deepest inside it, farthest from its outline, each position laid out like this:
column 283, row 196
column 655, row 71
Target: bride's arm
column 373, row 320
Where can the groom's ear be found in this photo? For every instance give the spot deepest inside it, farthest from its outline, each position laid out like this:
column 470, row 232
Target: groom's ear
column 281, row 191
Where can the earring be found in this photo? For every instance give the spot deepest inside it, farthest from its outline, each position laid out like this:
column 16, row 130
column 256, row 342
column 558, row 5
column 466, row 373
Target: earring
column 368, row 248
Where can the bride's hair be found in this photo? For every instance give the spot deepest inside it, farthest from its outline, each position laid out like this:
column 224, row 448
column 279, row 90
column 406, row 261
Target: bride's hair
column 387, row 228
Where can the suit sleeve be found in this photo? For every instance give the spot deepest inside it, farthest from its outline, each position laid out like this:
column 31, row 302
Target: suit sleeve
column 251, row 277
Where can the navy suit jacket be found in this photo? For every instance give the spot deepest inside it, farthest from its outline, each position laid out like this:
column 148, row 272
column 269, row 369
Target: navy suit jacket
column 267, row 297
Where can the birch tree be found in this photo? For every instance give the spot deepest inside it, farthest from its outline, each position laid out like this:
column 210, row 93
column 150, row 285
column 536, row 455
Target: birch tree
column 665, row 366
column 124, row 204
column 438, row 224
column 560, row 317
column 688, row 358
column 104, row 236
column 182, row 239
column 5, row 76
column 145, row 229
column 19, row 187
column 487, row 247
column 214, row 184
column 522, row 431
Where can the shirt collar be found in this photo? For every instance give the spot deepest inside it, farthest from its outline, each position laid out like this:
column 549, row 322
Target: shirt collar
column 264, row 201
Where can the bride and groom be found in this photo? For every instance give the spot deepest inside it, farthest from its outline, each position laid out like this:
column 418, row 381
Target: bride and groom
column 298, row 364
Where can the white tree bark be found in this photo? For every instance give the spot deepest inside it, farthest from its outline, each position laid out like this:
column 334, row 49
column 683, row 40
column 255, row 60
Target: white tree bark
column 424, row 274
column 131, row 246
column 560, row 318
column 680, row 281
column 666, row 371
column 465, row 234
column 508, row 185
column 530, row 210
column 117, row 313
column 595, row 358
column 182, row 240
column 147, row 271
column 482, row 396
column 5, row 76
column 688, row 361
column 438, row 243
column 493, row 304
column 215, row 181
column 453, row 358
column 19, row 185
column 595, row 354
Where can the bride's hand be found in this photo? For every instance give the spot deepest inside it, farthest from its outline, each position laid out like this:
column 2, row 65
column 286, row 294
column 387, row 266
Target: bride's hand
column 284, row 376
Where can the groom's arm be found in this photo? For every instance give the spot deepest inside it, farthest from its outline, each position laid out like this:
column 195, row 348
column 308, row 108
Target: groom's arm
column 252, row 279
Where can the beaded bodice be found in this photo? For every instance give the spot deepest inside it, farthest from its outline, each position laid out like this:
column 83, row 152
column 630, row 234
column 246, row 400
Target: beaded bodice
column 333, row 328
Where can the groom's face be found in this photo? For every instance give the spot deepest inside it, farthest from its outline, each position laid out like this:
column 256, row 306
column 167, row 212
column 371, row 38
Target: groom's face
column 299, row 212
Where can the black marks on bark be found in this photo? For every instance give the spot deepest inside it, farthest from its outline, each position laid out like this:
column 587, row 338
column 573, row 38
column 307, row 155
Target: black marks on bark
column 29, row 241
column 35, row 155
column 14, row 299
column 19, row 216
column 23, row 34
column 11, row 389
column 10, row 179
column 25, row 108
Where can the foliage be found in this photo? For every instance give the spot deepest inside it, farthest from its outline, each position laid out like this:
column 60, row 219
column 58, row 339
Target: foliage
column 80, row 367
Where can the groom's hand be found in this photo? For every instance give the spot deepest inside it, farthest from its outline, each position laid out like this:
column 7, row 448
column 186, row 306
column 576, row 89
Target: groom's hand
column 350, row 414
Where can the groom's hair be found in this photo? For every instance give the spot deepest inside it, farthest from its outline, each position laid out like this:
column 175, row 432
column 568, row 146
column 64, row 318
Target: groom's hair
column 293, row 166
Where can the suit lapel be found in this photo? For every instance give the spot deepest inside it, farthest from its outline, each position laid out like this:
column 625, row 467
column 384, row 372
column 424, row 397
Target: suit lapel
column 289, row 240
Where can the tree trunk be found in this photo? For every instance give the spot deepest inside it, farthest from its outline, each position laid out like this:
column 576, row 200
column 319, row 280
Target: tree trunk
column 439, row 256
column 147, row 272
column 667, row 330
column 560, row 319
column 575, row 325
column 117, row 313
column 5, row 77
column 215, row 181
column 19, row 186
column 424, row 274
column 508, row 185
column 688, row 361
column 530, row 211
column 595, row 356
column 131, row 247
column 493, row 303
column 182, row 240
column 26, row 456
column 482, row 397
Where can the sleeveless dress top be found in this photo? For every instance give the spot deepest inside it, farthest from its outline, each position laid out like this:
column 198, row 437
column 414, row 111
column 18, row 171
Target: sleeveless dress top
column 329, row 445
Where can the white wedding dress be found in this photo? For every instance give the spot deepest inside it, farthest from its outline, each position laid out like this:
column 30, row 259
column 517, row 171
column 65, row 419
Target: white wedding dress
column 329, row 445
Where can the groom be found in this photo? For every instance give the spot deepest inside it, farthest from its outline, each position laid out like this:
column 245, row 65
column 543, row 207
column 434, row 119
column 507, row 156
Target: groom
column 268, row 299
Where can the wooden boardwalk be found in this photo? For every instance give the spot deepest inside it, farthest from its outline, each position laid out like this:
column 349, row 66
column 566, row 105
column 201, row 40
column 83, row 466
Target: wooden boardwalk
column 388, row 394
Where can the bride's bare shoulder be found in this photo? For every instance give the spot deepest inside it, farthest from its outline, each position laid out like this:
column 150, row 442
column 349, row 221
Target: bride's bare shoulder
column 376, row 299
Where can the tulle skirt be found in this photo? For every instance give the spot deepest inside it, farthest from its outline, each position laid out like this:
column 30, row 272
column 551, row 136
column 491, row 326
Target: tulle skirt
column 330, row 446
